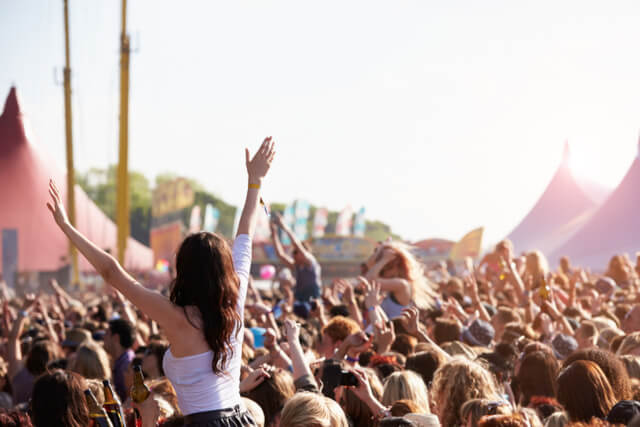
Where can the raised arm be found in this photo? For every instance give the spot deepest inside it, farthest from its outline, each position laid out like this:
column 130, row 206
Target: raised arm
column 151, row 303
column 395, row 284
column 277, row 245
column 297, row 244
column 257, row 169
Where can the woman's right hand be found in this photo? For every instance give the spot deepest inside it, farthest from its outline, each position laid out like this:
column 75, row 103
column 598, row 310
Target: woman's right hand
column 258, row 166
column 55, row 206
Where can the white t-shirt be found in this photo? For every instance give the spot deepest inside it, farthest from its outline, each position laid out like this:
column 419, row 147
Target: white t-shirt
column 197, row 387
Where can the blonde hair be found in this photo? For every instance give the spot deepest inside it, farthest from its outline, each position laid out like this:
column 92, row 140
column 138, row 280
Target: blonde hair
column 412, row 271
column 97, row 389
column 91, row 361
column 406, row 385
column 478, row 408
column 537, row 266
column 629, row 343
column 456, row 382
column 312, row 410
column 255, row 410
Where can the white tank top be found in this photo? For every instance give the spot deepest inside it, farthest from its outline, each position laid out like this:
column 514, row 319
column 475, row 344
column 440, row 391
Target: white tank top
column 197, row 387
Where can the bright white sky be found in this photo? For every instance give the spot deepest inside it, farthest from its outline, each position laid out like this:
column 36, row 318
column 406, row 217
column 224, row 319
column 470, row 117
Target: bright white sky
column 438, row 117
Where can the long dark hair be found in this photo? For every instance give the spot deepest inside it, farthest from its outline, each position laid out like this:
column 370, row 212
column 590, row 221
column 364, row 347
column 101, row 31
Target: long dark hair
column 206, row 278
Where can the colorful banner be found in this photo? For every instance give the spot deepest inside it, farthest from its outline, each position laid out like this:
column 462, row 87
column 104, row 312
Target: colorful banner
column 320, row 222
column 343, row 223
column 359, row 225
column 195, row 223
column 342, row 249
column 170, row 197
column 10, row 256
column 469, row 246
column 211, row 218
column 165, row 240
column 288, row 219
column 301, row 217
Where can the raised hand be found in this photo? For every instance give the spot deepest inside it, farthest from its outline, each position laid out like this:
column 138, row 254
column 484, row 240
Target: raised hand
column 411, row 316
column 277, row 219
column 30, row 301
column 385, row 335
column 254, row 379
column 373, row 298
column 258, row 166
column 363, row 389
column 292, row 330
column 472, row 285
column 55, row 205
column 358, row 342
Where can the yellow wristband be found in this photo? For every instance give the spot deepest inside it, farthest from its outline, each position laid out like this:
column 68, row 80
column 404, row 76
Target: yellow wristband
column 254, row 186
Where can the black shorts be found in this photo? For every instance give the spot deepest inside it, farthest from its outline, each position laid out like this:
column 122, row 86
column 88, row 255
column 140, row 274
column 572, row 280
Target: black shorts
column 233, row 417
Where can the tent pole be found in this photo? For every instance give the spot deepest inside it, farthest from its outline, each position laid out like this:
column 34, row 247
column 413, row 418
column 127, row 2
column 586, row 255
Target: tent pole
column 122, row 200
column 71, row 199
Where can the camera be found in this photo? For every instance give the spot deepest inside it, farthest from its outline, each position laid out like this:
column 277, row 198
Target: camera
column 348, row 378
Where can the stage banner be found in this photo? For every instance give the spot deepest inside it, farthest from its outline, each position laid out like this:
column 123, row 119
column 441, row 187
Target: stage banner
column 343, row 223
column 165, row 241
column 360, row 225
column 288, row 218
column 301, row 217
column 320, row 222
column 171, row 196
column 9, row 256
column 211, row 218
column 195, row 223
column 342, row 249
column 469, row 246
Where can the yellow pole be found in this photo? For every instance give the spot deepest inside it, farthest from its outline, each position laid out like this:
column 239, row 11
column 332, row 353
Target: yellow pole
column 122, row 201
column 71, row 198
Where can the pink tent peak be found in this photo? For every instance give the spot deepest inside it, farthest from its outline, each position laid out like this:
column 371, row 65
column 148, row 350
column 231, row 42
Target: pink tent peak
column 613, row 229
column 24, row 174
column 561, row 210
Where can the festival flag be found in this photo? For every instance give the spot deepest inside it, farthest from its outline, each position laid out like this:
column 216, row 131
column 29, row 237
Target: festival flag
column 359, row 225
column 288, row 219
column 469, row 246
column 195, row 223
column 320, row 222
column 300, row 223
column 211, row 218
column 343, row 223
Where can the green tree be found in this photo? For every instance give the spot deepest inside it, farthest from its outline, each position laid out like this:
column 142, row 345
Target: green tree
column 100, row 186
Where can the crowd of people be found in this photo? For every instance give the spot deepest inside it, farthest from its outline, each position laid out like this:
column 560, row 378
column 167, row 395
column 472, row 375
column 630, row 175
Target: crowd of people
column 504, row 342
